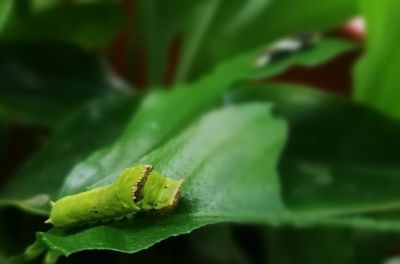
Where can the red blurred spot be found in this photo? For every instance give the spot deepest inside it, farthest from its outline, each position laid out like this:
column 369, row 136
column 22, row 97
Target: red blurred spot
column 334, row 76
column 354, row 29
column 139, row 73
column 118, row 54
column 173, row 61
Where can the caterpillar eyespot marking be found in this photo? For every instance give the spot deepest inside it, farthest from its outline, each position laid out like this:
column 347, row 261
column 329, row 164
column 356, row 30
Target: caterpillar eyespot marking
column 137, row 189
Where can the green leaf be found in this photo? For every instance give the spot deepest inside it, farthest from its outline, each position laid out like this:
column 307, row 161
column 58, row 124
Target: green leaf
column 5, row 11
column 323, row 51
column 94, row 125
column 340, row 157
column 240, row 26
column 158, row 118
column 157, row 25
column 319, row 179
column 228, row 177
column 212, row 31
column 87, row 25
column 40, row 83
column 376, row 77
column 154, row 123
column 194, row 36
column 43, row 4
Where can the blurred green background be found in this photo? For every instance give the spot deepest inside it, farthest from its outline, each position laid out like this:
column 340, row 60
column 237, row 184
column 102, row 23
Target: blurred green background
column 281, row 117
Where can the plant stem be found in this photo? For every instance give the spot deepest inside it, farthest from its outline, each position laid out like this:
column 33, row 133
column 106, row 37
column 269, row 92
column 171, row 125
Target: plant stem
column 194, row 39
column 31, row 253
column 51, row 257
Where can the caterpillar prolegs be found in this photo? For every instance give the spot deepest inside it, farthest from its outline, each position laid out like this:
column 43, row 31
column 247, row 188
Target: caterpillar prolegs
column 137, row 189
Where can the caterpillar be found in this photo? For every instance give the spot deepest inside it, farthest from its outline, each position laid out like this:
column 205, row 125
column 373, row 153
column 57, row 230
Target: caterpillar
column 137, row 189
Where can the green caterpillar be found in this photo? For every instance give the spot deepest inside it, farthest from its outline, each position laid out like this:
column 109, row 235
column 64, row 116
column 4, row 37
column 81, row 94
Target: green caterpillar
column 137, row 189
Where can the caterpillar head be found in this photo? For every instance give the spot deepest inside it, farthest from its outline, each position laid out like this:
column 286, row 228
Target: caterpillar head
column 149, row 190
column 160, row 194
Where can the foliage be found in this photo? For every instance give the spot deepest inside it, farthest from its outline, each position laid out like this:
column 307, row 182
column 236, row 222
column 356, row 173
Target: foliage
column 291, row 162
column 374, row 84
